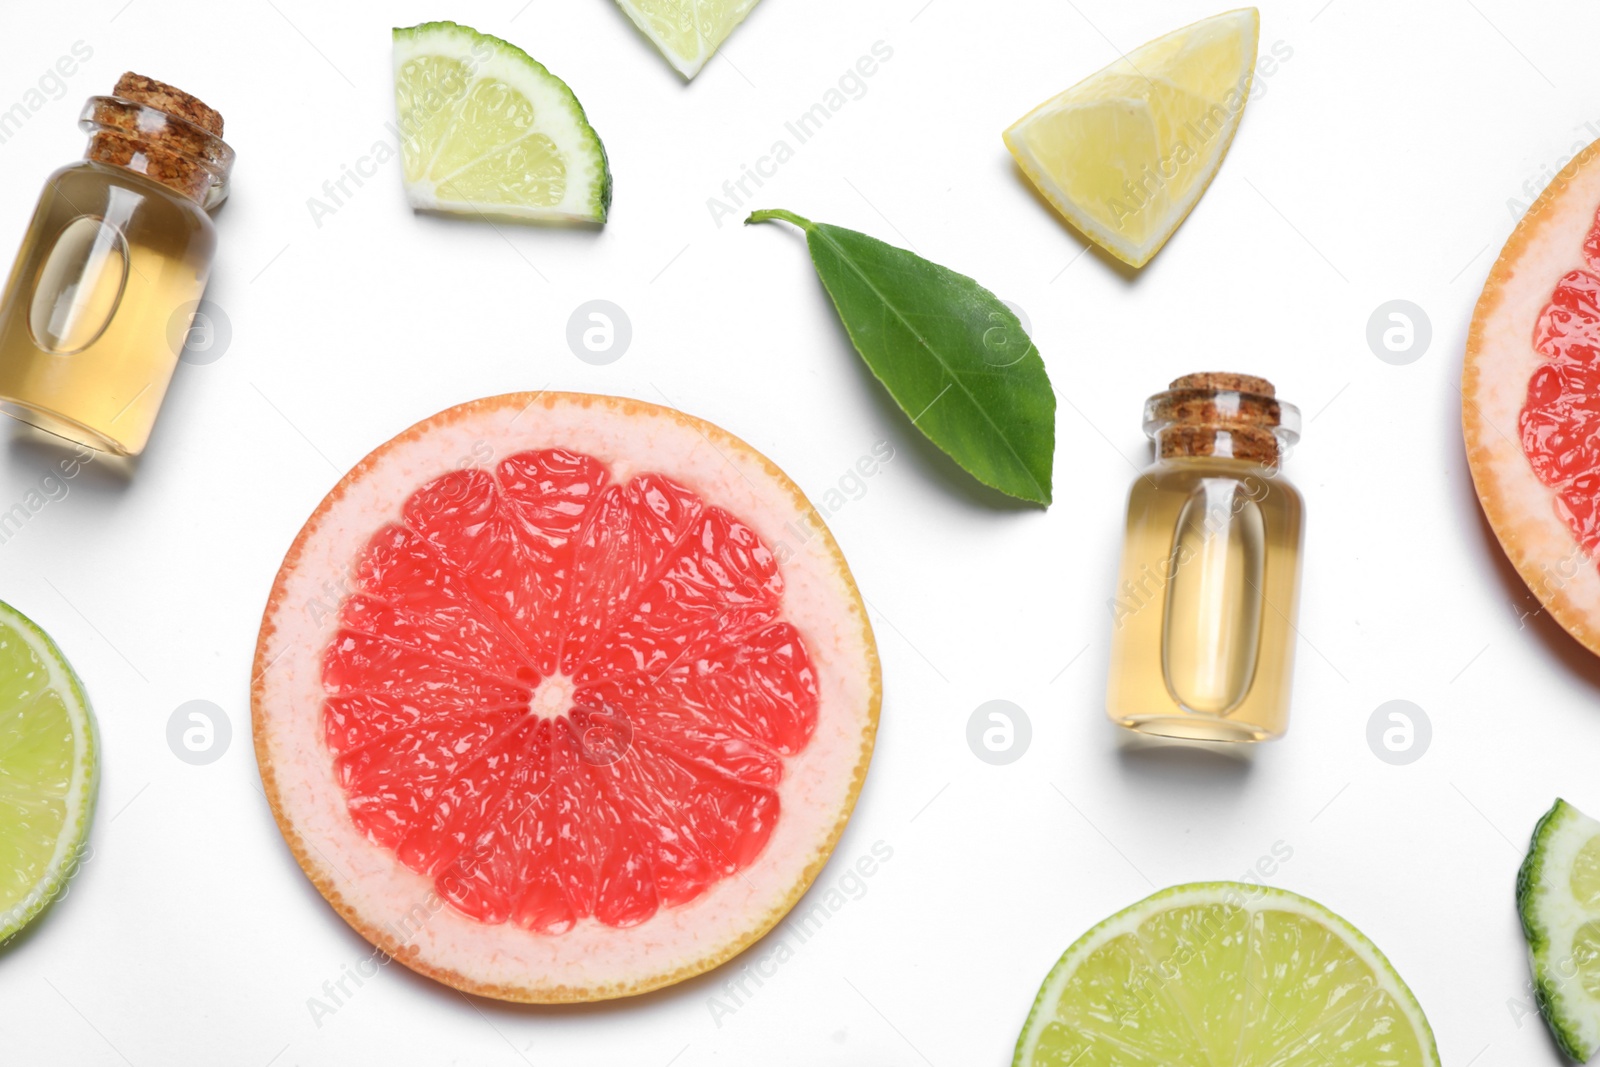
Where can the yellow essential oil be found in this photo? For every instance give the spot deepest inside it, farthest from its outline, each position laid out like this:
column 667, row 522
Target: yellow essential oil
column 1203, row 614
column 112, row 269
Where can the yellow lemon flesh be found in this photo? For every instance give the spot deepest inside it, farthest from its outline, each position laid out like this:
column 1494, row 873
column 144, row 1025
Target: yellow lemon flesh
column 1126, row 152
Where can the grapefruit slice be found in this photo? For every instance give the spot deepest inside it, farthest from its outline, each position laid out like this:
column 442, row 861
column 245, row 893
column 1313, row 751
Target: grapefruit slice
column 563, row 697
column 1530, row 391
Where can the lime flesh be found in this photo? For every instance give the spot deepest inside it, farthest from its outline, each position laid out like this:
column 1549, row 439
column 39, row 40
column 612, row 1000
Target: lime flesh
column 48, row 771
column 1225, row 975
column 1558, row 901
column 688, row 32
column 487, row 130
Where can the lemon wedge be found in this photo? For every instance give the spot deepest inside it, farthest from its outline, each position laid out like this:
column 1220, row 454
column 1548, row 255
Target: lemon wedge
column 1126, row 153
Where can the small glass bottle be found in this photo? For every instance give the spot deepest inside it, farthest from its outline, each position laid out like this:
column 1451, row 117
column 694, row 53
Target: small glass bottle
column 112, row 268
column 1204, row 610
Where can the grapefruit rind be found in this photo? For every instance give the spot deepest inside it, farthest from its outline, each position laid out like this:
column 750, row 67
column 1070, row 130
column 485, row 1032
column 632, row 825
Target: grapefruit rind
column 398, row 910
column 1500, row 358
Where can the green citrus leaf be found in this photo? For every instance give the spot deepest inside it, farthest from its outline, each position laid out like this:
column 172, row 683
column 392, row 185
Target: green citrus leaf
column 955, row 359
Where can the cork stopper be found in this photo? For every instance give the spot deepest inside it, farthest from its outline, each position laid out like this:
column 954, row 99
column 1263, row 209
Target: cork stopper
column 162, row 132
column 1236, row 416
column 1237, row 383
column 169, row 99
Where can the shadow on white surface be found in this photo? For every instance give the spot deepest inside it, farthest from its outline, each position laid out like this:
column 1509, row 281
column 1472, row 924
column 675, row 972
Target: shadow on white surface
column 1183, row 766
column 50, row 915
column 498, row 219
column 40, row 454
column 1128, row 274
column 1562, row 646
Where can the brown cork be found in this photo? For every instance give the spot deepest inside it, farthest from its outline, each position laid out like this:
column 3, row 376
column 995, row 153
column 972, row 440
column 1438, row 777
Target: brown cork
column 1218, row 414
column 1238, row 383
column 172, row 100
column 186, row 154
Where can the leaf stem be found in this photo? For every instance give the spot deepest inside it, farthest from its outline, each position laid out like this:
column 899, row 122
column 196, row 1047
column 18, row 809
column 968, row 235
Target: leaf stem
column 768, row 214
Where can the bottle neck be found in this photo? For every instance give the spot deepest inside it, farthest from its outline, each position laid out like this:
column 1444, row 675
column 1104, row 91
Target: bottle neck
column 1246, row 443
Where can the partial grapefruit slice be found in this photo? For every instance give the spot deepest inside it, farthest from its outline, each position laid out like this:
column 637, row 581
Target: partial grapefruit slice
column 563, row 697
column 1530, row 390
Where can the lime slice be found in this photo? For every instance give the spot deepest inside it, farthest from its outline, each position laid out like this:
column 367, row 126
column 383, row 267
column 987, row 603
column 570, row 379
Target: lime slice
column 1126, row 152
column 486, row 130
column 1558, row 899
column 688, row 32
column 48, row 770
column 1224, row 974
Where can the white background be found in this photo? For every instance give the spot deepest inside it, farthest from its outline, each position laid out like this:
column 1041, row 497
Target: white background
column 1377, row 165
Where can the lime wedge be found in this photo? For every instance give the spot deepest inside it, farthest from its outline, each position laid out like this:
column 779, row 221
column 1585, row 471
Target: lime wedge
column 1126, row 153
column 486, row 130
column 688, row 32
column 48, row 770
column 1224, row 974
column 1558, row 899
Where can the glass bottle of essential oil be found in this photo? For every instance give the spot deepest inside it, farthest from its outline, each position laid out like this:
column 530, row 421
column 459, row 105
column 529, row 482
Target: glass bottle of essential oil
column 1203, row 613
column 112, row 268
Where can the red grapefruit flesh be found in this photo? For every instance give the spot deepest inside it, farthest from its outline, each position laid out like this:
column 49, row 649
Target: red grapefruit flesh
column 1530, row 391
column 576, row 716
